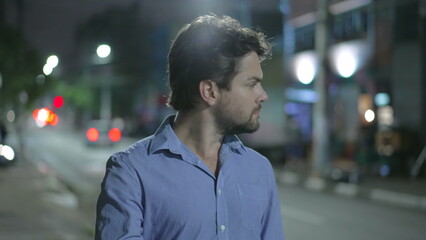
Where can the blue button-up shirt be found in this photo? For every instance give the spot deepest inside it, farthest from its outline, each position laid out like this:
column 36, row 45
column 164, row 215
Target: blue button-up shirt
column 159, row 189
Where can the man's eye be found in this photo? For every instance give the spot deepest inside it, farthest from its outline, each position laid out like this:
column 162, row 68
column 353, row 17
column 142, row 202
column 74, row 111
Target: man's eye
column 253, row 84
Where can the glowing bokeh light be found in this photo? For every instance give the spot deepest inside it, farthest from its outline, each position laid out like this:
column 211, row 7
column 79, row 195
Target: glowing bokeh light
column 382, row 99
column 305, row 72
column 103, row 51
column 346, row 58
column 43, row 115
column 385, row 115
column 346, row 64
column 369, row 115
column 47, row 70
column 7, row 152
column 92, row 134
column 55, row 120
column 52, row 61
column 10, row 116
column 40, row 124
column 114, row 134
column 58, row 101
column 35, row 113
column 305, row 67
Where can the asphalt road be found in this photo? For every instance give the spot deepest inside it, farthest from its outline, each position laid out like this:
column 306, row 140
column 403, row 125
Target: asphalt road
column 306, row 214
column 321, row 216
column 80, row 167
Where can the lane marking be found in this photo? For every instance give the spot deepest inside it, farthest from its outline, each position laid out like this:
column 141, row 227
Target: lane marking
column 302, row 215
column 396, row 198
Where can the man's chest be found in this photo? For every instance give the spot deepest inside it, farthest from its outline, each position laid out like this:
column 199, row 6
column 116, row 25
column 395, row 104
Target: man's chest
column 195, row 200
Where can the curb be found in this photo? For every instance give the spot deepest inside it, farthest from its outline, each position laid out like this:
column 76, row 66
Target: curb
column 351, row 190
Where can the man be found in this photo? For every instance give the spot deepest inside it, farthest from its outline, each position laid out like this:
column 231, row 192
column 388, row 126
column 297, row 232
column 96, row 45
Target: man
column 193, row 179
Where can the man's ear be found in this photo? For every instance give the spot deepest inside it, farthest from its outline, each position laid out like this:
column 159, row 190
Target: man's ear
column 208, row 92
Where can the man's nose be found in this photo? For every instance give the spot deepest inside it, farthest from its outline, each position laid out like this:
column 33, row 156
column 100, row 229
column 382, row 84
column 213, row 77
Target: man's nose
column 264, row 96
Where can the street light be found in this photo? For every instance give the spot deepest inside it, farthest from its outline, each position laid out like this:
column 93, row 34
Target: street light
column 51, row 62
column 346, row 64
column 47, row 70
column 103, row 50
column 347, row 58
column 305, row 66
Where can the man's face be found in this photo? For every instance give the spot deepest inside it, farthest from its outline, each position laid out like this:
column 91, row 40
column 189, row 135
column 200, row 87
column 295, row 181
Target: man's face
column 238, row 110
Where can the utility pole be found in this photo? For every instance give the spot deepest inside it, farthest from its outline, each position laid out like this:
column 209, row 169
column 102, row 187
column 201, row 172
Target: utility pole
column 320, row 151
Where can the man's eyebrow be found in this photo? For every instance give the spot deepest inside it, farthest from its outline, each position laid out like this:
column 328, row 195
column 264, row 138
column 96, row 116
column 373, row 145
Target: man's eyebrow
column 257, row 79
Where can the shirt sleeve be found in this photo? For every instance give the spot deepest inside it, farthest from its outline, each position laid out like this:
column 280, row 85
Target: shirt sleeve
column 272, row 228
column 119, row 212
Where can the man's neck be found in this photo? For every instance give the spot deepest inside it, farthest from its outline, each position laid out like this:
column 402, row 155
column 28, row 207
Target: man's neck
column 199, row 133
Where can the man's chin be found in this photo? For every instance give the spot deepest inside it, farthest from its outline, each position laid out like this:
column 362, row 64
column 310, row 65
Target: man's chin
column 246, row 128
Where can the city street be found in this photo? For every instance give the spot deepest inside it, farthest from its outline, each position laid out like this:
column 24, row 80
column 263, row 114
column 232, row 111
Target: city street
column 332, row 92
column 306, row 214
column 77, row 165
column 312, row 215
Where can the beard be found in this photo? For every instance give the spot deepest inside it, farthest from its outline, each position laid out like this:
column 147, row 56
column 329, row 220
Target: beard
column 230, row 123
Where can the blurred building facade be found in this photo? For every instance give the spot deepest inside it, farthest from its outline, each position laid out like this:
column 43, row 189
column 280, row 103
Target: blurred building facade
column 376, row 78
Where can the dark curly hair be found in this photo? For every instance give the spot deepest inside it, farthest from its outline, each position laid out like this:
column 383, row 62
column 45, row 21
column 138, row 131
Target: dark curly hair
column 209, row 48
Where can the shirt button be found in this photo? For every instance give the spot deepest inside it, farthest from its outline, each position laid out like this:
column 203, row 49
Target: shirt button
column 219, row 192
column 222, row 228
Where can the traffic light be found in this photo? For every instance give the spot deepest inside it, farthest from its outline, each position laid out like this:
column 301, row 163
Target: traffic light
column 58, row 101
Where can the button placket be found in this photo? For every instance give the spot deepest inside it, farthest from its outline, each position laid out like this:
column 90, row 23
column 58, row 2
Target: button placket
column 222, row 222
column 220, row 205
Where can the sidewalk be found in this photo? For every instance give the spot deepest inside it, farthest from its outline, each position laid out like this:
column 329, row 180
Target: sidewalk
column 35, row 205
column 397, row 191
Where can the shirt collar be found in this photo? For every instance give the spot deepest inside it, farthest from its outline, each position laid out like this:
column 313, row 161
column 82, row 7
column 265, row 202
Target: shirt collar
column 234, row 143
column 165, row 138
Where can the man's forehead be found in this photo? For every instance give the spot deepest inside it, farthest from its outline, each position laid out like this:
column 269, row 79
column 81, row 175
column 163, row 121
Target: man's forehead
column 250, row 65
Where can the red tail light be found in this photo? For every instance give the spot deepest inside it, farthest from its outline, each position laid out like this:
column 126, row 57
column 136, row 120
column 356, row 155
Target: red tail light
column 92, row 134
column 114, row 134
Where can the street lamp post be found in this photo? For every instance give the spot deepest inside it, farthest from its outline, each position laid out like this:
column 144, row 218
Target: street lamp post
column 103, row 52
column 321, row 156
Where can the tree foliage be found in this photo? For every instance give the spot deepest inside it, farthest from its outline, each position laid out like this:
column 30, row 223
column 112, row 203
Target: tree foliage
column 19, row 67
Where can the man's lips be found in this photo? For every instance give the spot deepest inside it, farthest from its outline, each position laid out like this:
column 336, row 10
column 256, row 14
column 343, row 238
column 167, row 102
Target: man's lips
column 257, row 111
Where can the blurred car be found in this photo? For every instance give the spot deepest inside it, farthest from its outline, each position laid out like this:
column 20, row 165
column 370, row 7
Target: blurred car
column 102, row 133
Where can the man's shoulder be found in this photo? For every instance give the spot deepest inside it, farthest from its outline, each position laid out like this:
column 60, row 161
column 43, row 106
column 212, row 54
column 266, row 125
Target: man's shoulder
column 248, row 151
column 136, row 150
column 254, row 153
column 255, row 157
